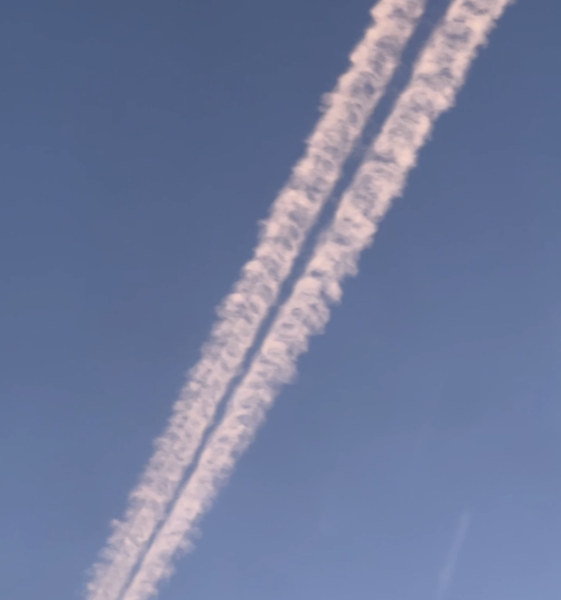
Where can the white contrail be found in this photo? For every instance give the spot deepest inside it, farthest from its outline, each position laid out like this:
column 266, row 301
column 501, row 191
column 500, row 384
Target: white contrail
column 447, row 572
column 241, row 314
column 437, row 76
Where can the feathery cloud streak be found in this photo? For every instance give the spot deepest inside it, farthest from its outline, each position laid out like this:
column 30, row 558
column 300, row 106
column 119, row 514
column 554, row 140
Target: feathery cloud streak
column 241, row 314
column 447, row 572
column 438, row 74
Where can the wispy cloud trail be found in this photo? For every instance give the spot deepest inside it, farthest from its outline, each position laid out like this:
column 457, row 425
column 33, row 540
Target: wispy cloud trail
column 241, row 314
column 438, row 74
column 447, row 572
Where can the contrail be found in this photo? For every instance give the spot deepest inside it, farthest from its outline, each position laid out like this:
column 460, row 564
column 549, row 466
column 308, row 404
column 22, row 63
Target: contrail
column 438, row 74
column 373, row 62
column 447, row 572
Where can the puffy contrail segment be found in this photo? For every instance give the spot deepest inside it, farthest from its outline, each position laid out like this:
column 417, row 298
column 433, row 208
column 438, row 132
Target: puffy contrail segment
column 293, row 213
column 437, row 76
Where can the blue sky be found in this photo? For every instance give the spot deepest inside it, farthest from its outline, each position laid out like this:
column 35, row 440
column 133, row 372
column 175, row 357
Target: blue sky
column 140, row 145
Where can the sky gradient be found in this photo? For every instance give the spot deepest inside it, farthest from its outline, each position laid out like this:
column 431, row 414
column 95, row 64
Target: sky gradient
column 141, row 144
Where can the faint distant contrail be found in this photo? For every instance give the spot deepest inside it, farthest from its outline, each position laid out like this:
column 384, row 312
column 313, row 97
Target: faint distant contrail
column 447, row 572
column 438, row 74
column 241, row 314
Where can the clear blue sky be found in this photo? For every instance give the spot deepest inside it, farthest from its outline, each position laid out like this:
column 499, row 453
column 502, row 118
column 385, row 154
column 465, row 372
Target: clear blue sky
column 140, row 142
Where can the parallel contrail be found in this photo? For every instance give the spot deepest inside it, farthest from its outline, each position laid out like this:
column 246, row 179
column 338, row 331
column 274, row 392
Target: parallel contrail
column 437, row 77
column 373, row 62
column 447, row 572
